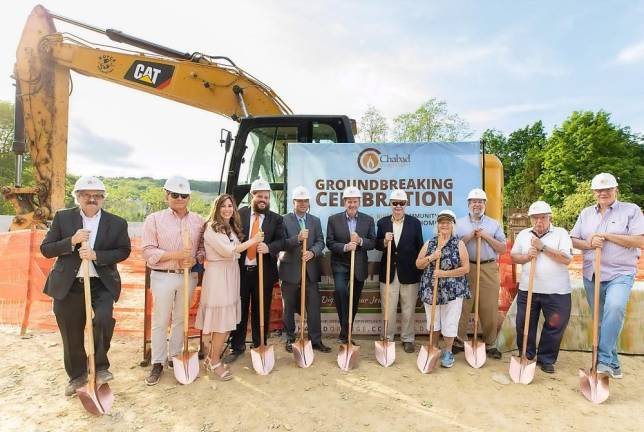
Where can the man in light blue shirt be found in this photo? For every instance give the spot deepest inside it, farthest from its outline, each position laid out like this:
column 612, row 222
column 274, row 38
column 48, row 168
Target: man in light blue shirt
column 477, row 225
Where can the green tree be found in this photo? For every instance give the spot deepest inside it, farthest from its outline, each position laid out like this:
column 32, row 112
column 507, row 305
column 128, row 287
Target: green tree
column 373, row 126
column 566, row 215
column 430, row 122
column 586, row 144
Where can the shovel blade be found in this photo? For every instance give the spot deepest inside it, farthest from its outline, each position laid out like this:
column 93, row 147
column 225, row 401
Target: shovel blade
column 186, row 367
column 385, row 352
column 303, row 353
column 594, row 388
column 263, row 358
column 475, row 353
column 97, row 401
column 522, row 370
column 427, row 358
column 348, row 356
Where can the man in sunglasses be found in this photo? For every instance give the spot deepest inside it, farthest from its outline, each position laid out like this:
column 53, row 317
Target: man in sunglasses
column 167, row 256
column 477, row 225
column 405, row 234
column 85, row 232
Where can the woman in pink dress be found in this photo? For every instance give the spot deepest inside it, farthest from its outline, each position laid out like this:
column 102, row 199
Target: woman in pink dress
column 220, row 306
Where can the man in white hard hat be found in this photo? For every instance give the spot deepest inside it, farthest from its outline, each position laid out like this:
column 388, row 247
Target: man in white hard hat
column 617, row 228
column 405, row 234
column 551, row 248
column 254, row 218
column 471, row 227
column 349, row 230
column 85, row 232
column 167, row 256
column 298, row 226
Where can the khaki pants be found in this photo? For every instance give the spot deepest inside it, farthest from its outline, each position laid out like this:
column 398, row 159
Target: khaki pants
column 408, row 294
column 488, row 305
column 167, row 292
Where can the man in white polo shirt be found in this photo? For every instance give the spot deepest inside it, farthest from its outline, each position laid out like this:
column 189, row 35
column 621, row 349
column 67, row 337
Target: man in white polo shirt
column 552, row 248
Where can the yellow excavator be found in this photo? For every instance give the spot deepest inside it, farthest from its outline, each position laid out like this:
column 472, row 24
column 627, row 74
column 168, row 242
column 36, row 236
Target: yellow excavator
column 45, row 58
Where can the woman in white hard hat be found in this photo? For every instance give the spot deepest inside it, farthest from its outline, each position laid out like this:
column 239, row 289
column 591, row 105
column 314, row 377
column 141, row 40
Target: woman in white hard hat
column 452, row 283
column 220, row 306
column 551, row 247
column 617, row 228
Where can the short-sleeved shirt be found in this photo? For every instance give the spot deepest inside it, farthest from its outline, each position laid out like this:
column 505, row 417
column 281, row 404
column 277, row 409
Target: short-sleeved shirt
column 551, row 277
column 465, row 226
column 620, row 218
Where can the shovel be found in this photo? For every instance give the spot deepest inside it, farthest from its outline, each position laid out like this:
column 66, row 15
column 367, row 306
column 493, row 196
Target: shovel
column 186, row 364
column 97, row 400
column 475, row 350
column 263, row 356
column 348, row 355
column 594, row 386
column 429, row 354
column 385, row 349
column 522, row 369
column 303, row 349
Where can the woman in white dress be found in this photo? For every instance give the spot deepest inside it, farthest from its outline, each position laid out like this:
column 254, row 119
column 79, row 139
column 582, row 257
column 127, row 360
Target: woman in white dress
column 220, row 306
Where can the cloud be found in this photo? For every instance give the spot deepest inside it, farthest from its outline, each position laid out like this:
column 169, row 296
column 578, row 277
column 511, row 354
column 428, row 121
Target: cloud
column 490, row 115
column 100, row 150
column 631, row 54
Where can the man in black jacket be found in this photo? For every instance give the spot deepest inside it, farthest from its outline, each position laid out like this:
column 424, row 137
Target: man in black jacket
column 85, row 232
column 254, row 218
column 406, row 235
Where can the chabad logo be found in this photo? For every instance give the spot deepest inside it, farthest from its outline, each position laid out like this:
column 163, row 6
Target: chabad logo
column 369, row 160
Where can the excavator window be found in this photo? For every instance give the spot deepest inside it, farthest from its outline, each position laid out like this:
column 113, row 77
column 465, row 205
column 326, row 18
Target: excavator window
column 324, row 133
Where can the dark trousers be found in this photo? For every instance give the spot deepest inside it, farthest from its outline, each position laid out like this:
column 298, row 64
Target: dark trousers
column 341, row 297
column 556, row 312
column 249, row 294
column 291, row 294
column 70, row 316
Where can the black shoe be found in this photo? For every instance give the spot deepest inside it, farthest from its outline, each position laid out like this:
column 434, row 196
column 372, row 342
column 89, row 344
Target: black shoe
column 234, row 355
column 103, row 376
column 547, row 367
column 409, row 347
column 494, row 353
column 341, row 340
column 353, row 342
column 289, row 345
column 457, row 347
column 155, row 374
column 75, row 384
column 321, row 347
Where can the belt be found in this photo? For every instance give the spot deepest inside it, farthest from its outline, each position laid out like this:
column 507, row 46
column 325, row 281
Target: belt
column 178, row 271
column 484, row 262
column 250, row 268
column 82, row 279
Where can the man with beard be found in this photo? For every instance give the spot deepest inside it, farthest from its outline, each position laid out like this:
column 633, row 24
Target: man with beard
column 255, row 218
column 477, row 225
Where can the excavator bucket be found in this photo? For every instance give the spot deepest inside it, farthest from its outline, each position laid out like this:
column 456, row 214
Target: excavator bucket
column 303, row 353
column 385, row 352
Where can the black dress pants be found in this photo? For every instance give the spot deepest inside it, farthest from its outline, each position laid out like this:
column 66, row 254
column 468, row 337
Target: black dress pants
column 249, row 294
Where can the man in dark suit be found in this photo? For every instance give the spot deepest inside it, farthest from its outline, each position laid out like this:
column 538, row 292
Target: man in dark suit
column 85, row 232
column 349, row 231
column 255, row 218
column 298, row 226
column 405, row 234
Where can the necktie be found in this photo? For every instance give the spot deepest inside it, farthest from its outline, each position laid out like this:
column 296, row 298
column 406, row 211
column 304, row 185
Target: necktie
column 302, row 225
column 252, row 251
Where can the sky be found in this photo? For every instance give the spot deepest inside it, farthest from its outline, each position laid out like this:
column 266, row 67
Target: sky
column 498, row 64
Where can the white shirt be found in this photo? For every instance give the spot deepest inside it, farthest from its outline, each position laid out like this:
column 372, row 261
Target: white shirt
column 250, row 232
column 91, row 224
column 551, row 277
column 397, row 227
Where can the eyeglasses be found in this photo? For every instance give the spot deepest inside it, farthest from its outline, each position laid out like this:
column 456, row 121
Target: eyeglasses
column 398, row 203
column 177, row 195
column 95, row 197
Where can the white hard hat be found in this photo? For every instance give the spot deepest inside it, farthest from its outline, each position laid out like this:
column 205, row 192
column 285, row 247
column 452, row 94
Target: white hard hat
column 300, row 193
column 603, row 181
column 351, row 192
column 88, row 183
column 259, row 185
column 477, row 193
column 177, row 184
column 398, row 195
column 446, row 213
column 539, row 207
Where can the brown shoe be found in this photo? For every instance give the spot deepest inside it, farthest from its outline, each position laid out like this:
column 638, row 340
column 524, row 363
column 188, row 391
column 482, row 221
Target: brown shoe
column 155, row 374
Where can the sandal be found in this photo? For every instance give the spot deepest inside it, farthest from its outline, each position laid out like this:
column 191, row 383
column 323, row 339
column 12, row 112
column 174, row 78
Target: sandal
column 223, row 376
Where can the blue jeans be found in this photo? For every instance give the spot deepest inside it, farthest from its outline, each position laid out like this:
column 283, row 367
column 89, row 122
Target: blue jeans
column 613, row 297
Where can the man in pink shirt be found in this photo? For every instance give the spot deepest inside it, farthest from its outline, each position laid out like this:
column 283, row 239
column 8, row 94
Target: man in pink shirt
column 164, row 253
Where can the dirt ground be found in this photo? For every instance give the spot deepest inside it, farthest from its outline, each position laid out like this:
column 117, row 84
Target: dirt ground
column 320, row 398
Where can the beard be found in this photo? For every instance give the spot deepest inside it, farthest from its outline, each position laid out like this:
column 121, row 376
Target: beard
column 256, row 209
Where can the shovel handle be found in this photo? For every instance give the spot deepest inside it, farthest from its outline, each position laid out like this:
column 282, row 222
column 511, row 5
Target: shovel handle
column 388, row 275
column 260, row 275
column 526, row 324
column 89, row 328
column 598, row 264
column 185, row 234
column 303, row 291
column 478, row 284
column 434, row 295
column 351, row 273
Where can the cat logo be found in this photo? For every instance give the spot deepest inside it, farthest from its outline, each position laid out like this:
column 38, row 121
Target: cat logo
column 156, row 75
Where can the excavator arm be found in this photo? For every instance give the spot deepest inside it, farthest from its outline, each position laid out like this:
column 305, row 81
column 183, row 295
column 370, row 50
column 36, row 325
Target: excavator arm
column 43, row 61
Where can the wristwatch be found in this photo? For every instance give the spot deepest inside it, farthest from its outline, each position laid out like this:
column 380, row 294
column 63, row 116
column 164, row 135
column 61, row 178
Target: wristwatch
column 543, row 248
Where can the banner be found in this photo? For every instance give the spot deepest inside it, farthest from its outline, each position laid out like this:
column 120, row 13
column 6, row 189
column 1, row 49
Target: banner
column 434, row 175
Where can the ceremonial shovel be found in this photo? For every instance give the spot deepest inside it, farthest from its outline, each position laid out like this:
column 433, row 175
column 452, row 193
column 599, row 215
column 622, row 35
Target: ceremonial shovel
column 385, row 349
column 475, row 350
column 429, row 354
column 522, row 369
column 303, row 349
column 348, row 355
column 263, row 356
